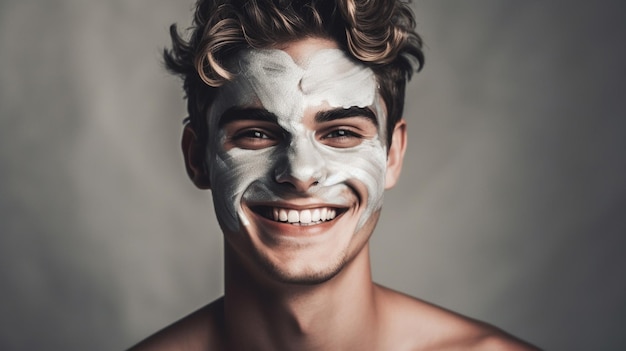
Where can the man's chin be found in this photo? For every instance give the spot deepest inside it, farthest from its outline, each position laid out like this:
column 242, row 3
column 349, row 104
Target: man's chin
column 308, row 276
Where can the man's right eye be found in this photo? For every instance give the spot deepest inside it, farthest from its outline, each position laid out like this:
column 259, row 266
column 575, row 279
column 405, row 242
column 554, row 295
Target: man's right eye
column 252, row 134
column 253, row 139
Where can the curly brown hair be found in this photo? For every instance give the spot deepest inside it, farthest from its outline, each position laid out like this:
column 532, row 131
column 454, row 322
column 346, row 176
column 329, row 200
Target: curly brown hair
column 379, row 33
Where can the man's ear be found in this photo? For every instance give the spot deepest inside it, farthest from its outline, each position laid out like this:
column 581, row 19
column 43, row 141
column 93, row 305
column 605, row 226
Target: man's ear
column 395, row 155
column 195, row 158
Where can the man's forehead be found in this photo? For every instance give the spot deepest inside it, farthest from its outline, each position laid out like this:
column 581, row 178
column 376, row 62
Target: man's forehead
column 311, row 70
column 301, row 50
column 272, row 80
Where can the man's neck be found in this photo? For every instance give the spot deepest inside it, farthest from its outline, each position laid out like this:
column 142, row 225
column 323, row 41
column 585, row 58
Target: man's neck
column 337, row 314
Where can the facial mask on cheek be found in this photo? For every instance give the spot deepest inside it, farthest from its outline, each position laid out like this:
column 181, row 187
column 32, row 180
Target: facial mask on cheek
column 232, row 173
column 364, row 164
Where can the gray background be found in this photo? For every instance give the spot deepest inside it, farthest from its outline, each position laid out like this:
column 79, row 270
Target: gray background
column 510, row 209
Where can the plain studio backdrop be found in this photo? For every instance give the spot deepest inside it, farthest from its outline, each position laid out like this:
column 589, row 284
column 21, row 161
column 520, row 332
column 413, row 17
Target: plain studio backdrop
column 511, row 208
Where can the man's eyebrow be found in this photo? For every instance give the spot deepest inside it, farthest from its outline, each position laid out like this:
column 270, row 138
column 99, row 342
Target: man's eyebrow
column 246, row 113
column 354, row 111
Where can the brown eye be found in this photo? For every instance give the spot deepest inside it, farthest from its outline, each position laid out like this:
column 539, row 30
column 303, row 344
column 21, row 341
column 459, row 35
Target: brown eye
column 253, row 139
column 342, row 138
column 341, row 133
column 253, row 134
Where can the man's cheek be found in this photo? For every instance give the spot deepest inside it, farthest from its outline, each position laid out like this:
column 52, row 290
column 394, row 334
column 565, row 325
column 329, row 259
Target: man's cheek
column 236, row 170
column 247, row 166
column 366, row 162
column 367, row 165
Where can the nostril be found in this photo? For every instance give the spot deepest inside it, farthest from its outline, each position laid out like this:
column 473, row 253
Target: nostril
column 303, row 168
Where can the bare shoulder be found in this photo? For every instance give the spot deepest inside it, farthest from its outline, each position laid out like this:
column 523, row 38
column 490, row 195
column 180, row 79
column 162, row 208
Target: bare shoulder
column 413, row 324
column 198, row 331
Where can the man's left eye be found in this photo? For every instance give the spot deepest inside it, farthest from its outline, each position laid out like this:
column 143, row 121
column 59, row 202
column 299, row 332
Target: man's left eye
column 342, row 138
column 341, row 133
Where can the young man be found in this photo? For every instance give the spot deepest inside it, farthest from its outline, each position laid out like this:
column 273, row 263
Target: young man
column 295, row 126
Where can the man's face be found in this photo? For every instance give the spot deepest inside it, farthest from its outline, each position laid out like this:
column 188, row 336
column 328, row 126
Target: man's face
column 297, row 159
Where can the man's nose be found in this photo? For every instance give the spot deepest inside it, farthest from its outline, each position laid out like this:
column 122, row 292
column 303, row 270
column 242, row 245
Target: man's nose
column 303, row 167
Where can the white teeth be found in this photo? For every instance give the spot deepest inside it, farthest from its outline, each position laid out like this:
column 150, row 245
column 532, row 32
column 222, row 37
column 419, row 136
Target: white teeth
column 311, row 216
column 282, row 215
column 305, row 216
column 315, row 216
column 293, row 216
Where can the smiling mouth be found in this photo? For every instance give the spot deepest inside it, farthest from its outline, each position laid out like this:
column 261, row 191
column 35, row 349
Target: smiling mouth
column 306, row 217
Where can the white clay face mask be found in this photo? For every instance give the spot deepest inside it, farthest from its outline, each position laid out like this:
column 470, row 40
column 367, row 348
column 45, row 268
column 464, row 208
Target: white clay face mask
column 271, row 80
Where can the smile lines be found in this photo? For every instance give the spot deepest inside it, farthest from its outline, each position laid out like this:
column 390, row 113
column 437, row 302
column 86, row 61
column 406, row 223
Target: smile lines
column 303, row 217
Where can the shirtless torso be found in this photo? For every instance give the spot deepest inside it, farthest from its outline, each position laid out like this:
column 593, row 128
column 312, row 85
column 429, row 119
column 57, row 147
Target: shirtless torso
column 368, row 317
column 407, row 324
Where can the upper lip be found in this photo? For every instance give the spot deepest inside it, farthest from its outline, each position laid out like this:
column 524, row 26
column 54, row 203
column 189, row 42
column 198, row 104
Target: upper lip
column 296, row 205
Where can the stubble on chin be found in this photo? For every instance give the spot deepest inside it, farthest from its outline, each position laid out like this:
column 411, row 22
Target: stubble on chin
column 311, row 275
